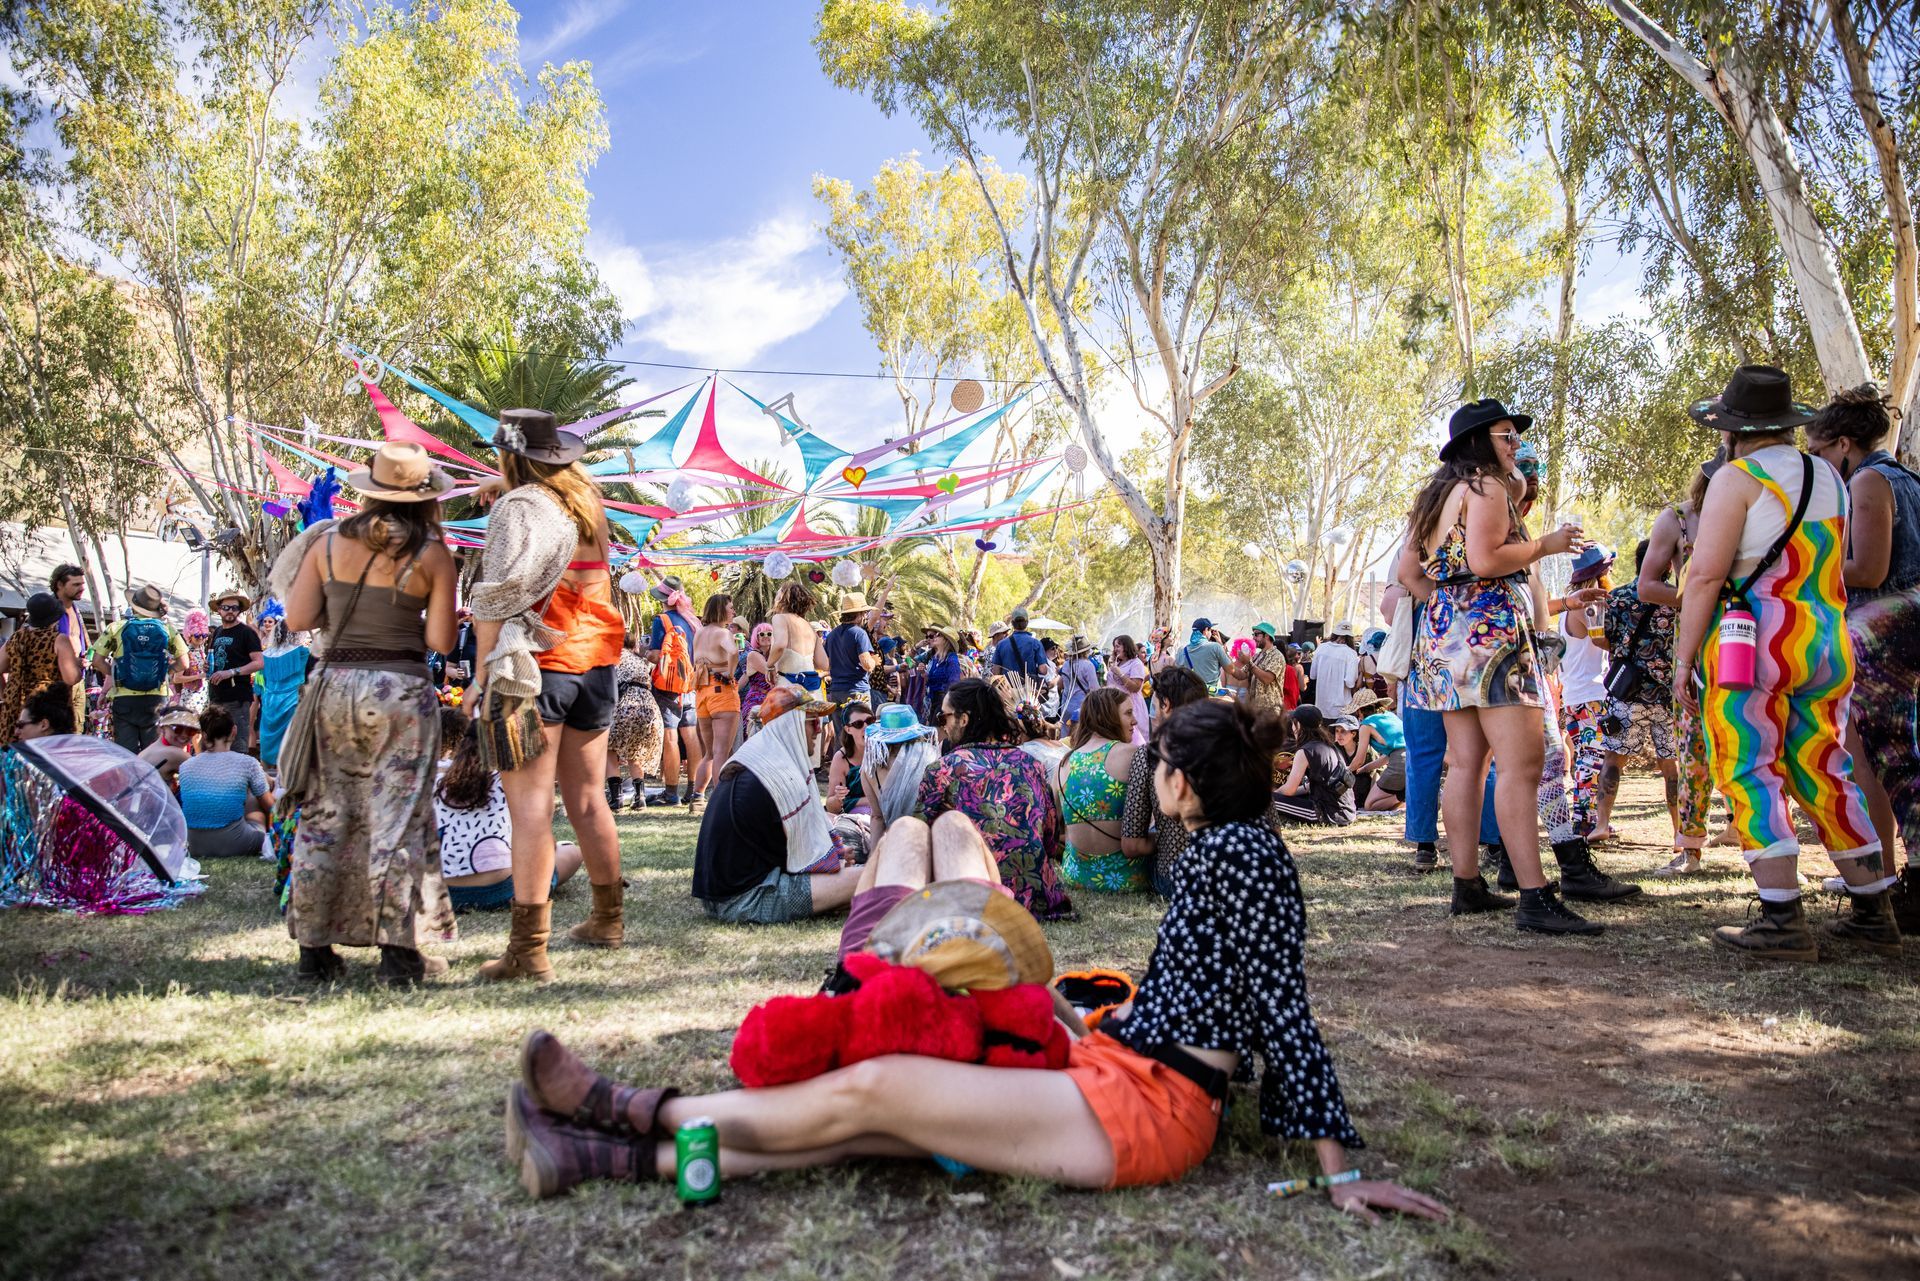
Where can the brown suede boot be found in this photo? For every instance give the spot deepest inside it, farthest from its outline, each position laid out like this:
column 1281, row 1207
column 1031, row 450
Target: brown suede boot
column 1779, row 934
column 526, row 955
column 563, row 1086
column 555, row 1156
column 604, row 926
column 1869, row 923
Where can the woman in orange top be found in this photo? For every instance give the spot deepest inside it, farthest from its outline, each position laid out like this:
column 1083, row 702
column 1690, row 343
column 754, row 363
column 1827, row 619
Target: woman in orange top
column 544, row 619
column 716, row 694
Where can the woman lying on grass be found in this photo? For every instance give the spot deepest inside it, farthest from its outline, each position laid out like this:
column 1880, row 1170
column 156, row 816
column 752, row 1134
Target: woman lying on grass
column 1139, row 1101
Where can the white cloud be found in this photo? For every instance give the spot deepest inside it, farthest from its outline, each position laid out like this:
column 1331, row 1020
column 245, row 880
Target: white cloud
column 640, row 55
column 581, row 17
column 624, row 272
column 724, row 302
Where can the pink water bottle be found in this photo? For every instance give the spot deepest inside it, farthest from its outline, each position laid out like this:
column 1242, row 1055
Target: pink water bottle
column 1737, row 637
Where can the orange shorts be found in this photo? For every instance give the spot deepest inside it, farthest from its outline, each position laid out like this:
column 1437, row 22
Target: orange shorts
column 1160, row 1123
column 714, row 699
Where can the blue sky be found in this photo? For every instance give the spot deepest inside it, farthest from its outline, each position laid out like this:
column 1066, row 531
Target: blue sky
column 703, row 214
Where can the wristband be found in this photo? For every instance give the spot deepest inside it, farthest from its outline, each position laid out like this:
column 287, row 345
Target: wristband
column 1294, row 1187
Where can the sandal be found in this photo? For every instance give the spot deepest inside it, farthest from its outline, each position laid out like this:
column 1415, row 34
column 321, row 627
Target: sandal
column 1685, row 863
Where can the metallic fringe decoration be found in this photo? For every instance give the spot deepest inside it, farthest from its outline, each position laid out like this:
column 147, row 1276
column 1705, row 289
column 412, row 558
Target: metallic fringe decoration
column 55, row 852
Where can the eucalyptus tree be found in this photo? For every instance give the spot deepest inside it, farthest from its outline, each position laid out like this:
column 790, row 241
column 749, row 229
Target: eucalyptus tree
column 1160, row 139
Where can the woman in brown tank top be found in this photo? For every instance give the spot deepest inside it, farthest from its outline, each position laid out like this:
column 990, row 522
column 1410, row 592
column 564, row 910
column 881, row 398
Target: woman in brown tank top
column 366, row 855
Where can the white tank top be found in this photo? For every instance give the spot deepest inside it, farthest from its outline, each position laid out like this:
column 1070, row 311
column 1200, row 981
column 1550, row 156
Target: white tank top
column 1767, row 519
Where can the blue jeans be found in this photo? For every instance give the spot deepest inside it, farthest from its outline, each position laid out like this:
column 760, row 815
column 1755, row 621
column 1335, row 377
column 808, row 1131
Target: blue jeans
column 1426, row 753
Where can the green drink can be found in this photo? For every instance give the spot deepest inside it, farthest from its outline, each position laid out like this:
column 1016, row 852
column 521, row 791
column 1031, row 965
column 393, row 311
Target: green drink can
column 697, row 1165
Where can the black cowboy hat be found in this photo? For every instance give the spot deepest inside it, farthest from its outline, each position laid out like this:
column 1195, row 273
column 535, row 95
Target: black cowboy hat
column 536, row 434
column 1471, row 418
column 1757, row 398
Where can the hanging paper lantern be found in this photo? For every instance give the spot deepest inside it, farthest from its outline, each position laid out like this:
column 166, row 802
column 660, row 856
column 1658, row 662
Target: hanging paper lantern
column 777, row 565
column 1076, row 457
column 846, row 573
column 967, row 395
column 633, row 582
column 680, row 495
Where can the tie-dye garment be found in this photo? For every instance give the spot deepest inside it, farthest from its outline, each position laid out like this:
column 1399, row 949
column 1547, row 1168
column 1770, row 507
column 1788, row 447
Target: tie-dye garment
column 1886, row 701
column 1782, row 739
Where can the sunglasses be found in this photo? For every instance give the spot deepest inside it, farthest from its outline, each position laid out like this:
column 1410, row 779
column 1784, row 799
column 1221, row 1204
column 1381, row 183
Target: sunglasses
column 858, row 724
column 943, row 716
column 24, row 723
column 1506, row 435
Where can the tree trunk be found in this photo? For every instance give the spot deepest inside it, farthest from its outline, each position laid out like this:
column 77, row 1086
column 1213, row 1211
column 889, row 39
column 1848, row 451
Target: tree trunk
column 1732, row 85
column 1163, row 550
column 1903, row 380
column 76, row 538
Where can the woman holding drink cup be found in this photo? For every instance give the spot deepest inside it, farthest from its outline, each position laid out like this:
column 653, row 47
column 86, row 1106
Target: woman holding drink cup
column 1475, row 657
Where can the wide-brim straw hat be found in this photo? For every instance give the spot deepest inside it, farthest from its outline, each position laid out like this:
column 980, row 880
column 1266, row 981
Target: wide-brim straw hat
column 854, row 603
column 536, row 434
column 966, row 935
column 213, row 602
column 1364, row 703
column 400, row 472
column 178, row 718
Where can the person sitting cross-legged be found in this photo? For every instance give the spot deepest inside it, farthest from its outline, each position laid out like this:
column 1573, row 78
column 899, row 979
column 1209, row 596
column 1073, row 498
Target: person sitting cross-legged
column 768, row 851
column 1139, row 1101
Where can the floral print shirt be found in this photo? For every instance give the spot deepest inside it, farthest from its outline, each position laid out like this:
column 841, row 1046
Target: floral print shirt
column 1227, row 974
column 1654, row 650
column 1006, row 793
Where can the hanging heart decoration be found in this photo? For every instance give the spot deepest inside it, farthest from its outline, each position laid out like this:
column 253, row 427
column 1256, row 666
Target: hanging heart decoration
column 853, row 475
column 816, row 576
column 948, row 483
column 846, row 573
column 715, row 574
column 984, row 545
column 777, row 565
column 1076, row 457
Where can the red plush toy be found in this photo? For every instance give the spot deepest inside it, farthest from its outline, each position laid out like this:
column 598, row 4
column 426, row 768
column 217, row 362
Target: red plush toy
column 897, row 1009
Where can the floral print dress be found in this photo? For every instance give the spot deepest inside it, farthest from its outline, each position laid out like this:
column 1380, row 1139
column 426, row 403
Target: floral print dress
column 1006, row 793
column 1473, row 643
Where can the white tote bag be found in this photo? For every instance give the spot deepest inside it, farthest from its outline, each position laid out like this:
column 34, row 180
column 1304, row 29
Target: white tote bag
column 1395, row 658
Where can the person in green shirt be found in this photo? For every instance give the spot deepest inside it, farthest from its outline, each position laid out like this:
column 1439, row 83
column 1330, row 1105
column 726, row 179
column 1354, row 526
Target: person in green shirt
column 137, row 655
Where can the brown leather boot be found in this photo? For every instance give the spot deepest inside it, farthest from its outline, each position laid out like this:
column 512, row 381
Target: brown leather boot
column 1780, row 933
column 526, row 955
column 604, row 926
column 555, row 1156
column 563, row 1086
column 407, row 966
column 1869, row 923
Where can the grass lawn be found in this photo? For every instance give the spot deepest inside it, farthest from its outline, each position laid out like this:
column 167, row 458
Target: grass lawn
column 173, row 1103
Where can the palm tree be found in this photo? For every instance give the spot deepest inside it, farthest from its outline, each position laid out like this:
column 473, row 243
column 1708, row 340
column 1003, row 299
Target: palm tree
column 493, row 372
column 904, row 573
column 746, row 581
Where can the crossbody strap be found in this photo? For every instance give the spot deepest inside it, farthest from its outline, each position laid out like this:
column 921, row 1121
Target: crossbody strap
column 1780, row 544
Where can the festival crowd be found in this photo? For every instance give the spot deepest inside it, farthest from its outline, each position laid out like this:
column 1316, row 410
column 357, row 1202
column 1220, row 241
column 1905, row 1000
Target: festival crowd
column 398, row 732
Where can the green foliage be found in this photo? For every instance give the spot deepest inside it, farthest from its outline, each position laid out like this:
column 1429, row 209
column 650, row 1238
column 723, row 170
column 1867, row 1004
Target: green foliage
column 433, row 191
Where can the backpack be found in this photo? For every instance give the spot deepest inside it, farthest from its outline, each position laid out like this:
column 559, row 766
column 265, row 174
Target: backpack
column 145, row 657
column 673, row 674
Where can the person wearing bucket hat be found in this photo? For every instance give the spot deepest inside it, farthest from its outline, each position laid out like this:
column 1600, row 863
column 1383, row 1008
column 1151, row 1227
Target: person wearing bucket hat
column 1476, row 658
column 33, row 658
column 178, row 727
column 1078, row 678
column 138, row 656
column 1773, row 687
column 379, row 587
column 1139, row 1101
column 1265, row 670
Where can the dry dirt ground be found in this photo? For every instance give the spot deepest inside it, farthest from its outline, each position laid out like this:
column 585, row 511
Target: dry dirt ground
column 174, row 1104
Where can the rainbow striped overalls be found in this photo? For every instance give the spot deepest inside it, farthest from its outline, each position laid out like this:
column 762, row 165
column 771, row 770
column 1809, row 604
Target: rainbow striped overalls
column 1783, row 739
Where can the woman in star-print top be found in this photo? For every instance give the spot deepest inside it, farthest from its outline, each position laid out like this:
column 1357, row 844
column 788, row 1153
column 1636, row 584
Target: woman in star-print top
column 1139, row 1101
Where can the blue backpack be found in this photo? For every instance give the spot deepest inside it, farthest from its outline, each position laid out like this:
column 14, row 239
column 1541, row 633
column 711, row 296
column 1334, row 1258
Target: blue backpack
column 145, row 656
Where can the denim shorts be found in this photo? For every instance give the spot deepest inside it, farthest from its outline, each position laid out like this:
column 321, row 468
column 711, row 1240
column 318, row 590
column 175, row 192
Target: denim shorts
column 676, row 710
column 496, row 897
column 780, row 898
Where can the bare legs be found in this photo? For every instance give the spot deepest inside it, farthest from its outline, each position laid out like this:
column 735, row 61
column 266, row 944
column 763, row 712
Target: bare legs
column 577, row 760
column 1514, row 737
column 1879, row 805
column 716, row 746
column 1008, row 1120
